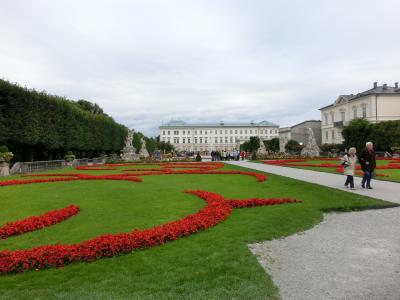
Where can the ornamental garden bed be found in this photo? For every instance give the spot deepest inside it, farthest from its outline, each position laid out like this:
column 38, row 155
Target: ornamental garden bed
column 181, row 235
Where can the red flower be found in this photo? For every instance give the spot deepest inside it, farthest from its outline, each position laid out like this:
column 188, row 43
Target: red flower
column 38, row 222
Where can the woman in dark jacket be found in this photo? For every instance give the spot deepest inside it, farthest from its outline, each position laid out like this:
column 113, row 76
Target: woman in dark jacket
column 368, row 164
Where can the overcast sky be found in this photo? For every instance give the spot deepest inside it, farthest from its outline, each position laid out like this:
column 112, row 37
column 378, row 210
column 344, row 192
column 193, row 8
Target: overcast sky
column 147, row 61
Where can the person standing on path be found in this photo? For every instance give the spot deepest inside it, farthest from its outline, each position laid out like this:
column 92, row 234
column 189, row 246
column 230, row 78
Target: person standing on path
column 368, row 164
column 349, row 163
column 242, row 154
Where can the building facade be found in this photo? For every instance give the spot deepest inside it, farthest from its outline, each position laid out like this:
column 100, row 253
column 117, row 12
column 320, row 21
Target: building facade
column 299, row 132
column 381, row 103
column 214, row 136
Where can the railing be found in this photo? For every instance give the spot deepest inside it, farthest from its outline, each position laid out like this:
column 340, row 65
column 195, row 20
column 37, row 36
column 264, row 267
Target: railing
column 338, row 124
column 40, row 166
column 80, row 162
column 37, row 166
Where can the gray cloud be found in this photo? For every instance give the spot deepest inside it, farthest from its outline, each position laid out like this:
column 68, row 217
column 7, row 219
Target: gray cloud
column 150, row 61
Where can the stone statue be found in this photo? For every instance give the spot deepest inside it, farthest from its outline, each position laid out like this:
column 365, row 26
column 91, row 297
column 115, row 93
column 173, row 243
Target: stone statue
column 262, row 151
column 282, row 143
column 143, row 150
column 311, row 149
column 129, row 152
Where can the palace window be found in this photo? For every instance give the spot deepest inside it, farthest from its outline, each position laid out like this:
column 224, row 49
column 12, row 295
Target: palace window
column 231, row 139
column 163, row 132
column 216, row 140
column 168, row 132
column 216, row 131
column 183, row 132
column 205, row 140
column 220, row 132
column 333, row 135
column 235, row 131
column 188, row 140
column 183, row 140
column 343, row 116
column 226, row 140
column 188, row 131
column 364, row 111
column 332, row 117
column 326, row 136
column 355, row 113
column 201, row 131
column 251, row 131
column 230, row 131
column 226, row 131
column 241, row 131
column 220, row 140
column 195, row 132
column 326, row 118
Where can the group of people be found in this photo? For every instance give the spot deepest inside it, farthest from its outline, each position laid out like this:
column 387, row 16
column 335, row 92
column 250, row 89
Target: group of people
column 227, row 155
column 367, row 162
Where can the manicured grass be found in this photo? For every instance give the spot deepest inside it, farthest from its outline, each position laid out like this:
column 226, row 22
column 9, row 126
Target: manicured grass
column 213, row 264
column 393, row 174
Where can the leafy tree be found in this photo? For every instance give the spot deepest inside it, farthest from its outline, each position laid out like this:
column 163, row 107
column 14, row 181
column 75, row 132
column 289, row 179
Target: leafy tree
column 151, row 145
column 90, row 107
column 37, row 125
column 293, row 145
column 254, row 143
column 165, row 146
column 357, row 133
column 272, row 145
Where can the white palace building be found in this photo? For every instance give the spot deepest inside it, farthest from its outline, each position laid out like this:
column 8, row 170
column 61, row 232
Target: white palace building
column 380, row 103
column 207, row 137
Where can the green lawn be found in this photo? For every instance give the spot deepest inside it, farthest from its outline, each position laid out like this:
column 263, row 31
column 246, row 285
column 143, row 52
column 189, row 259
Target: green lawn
column 213, row 264
column 393, row 174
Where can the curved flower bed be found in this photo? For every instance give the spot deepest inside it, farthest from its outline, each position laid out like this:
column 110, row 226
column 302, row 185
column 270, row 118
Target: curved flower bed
column 38, row 222
column 217, row 210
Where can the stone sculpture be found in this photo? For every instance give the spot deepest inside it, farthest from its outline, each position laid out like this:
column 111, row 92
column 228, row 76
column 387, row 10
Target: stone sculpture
column 129, row 152
column 311, row 149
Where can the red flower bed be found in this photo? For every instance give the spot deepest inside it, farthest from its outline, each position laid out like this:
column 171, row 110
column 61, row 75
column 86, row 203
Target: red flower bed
column 38, row 222
column 16, row 181
column 216, row 211
column 71, row 177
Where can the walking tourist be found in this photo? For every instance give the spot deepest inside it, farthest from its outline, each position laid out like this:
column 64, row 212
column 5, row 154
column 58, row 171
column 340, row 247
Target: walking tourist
column 349, row 161
column 368, row 164
column 242, row 154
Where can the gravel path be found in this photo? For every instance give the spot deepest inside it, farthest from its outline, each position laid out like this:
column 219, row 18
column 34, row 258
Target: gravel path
column 347, row 256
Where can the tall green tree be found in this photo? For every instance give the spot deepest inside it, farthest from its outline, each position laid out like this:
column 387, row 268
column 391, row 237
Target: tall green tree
column 36, row 125
column 272, row 144
column 357, row 133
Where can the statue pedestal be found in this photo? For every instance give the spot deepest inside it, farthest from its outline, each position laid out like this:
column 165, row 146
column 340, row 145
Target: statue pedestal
column 4, row 168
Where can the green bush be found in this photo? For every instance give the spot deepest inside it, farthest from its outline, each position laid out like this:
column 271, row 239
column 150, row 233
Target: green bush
column 3, row 149
column 198, row 157
column 39, row 125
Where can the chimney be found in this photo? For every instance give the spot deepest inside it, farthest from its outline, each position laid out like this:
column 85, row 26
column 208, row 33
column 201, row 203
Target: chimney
column 384, row 86
column 396, row 85
column 375, row 85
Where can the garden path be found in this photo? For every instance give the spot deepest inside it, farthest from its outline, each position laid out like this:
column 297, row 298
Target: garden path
column 352, row 255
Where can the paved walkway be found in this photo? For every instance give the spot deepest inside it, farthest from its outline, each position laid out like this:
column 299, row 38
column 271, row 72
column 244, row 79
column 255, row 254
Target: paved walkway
column 352, row 255
column 385, row 190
